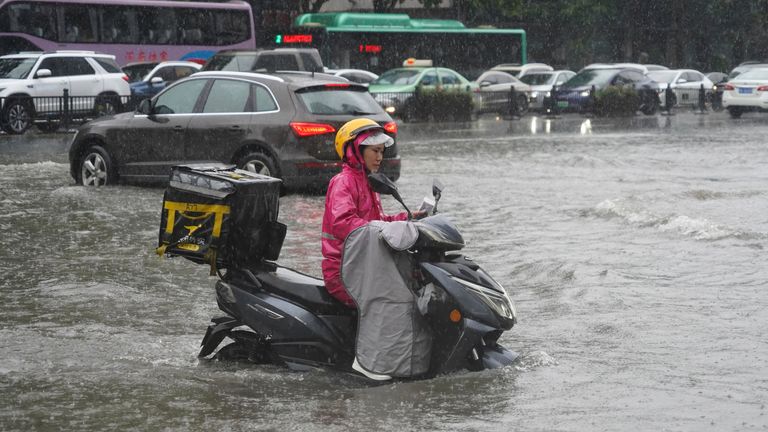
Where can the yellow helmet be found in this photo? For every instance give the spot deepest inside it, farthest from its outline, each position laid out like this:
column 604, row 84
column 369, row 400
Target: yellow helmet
column 351, row 130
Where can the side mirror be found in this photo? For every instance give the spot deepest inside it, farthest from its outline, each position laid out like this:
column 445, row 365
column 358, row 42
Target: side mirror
column 145, row 107
column 682, row 81
column 382, row 184
column 156, row 80
column 42, row 73
column 437, row 190
column 485, row 84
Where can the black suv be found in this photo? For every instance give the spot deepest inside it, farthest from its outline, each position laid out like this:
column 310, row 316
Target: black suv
column 279, row 59
column 281, row 125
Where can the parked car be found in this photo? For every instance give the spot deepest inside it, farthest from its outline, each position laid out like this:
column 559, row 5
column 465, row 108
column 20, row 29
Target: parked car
column 743, row 67
column 542, row 83
column 31, row 85
column 519, row 70
column 359, row 76
column 279, row 59
column 641, row 67
column 282, row 125
column 747, row 92
column 494, row 87
column 394, row 88
column 685, row 85
column 158, row 77
column 719, row 79
column 574, row 95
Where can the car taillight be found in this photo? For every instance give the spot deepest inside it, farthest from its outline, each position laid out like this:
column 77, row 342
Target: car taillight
column 125, row 77
column 391, row 127
column 337, row 85
column 762, row 88
column 729, row 87
column 311, row 129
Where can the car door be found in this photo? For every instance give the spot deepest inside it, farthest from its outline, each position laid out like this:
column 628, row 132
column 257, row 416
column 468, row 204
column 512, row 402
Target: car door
column 430, row 80
column 49, row 90
column 84, row 83
column 153, row 143
column 223, row 122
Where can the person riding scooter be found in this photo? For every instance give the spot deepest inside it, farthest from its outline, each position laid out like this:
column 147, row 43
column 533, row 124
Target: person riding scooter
column 350, row 202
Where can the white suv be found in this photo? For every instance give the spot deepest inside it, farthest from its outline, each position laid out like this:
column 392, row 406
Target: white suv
column 32, row 86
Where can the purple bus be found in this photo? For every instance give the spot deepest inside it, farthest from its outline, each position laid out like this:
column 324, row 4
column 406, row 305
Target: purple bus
column 131, row 30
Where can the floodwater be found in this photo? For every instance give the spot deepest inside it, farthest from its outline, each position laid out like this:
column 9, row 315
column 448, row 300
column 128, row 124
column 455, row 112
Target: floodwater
column 634, row 249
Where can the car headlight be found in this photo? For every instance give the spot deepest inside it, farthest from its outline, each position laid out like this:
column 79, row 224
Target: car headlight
column 499, row 302
column 585, row 93
column 534, row 95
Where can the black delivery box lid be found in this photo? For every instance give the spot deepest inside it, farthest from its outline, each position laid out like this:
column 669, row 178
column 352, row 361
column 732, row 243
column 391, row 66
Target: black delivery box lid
column 219, row 215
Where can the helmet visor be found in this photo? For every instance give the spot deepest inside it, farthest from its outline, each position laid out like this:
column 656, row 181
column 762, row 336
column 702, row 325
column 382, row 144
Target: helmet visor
column 377, row 138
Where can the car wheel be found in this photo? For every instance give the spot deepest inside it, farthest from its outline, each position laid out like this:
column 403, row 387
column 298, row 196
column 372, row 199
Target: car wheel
column 48, row 127
column 258, row 163
column 522, row 104
column 17, row 116
column 735, row 112
column 96, row 168
column 106, row 105
column 650, row 106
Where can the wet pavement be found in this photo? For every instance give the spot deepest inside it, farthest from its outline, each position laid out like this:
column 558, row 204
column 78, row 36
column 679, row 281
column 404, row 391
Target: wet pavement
column 634, row 249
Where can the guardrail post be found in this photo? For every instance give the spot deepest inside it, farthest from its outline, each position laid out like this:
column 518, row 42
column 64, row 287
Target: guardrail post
column 65, row 115
column 513, row 109
column 592, row 103
column 552, row 103
column 702, row 100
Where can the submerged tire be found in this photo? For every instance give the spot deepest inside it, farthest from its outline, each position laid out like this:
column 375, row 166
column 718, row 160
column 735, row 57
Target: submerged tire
column 96, row 168
column 247, row 347
column 735, row 112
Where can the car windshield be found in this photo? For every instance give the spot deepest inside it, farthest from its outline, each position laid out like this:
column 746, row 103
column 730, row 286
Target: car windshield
column 137, row 72
column 397, row 77
column 538, row 79
column 597, row 77
column 758, row 74
column 334, row 101
column 16, row 68
column 662, row 76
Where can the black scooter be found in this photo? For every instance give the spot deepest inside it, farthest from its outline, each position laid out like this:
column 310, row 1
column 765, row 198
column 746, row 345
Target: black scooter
column 280, row 316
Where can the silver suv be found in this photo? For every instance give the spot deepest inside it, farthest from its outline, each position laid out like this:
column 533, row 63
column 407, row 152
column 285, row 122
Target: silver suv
column 32, row 86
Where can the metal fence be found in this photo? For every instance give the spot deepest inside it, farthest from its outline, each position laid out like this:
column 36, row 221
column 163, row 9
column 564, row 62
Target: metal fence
column 20, row 113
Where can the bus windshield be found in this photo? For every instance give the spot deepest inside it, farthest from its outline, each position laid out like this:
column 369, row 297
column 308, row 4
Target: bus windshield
column 16, row 68
column 397, row 77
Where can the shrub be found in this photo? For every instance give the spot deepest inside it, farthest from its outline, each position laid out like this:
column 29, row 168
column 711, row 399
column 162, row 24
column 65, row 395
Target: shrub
column 616, row 101
column 441, row 105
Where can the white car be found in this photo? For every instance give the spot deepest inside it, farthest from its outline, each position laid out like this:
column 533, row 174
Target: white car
column 519, row 70
column 32, row 86
column 747, row 92
column 685, row 84
column 494, row 88
column 358, row 76
column 542, row 83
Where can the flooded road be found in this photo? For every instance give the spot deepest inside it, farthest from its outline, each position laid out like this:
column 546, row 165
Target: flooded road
column 634, row 250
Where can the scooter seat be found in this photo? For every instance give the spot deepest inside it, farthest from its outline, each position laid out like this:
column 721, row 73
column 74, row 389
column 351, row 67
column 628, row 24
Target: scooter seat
column 304, row 289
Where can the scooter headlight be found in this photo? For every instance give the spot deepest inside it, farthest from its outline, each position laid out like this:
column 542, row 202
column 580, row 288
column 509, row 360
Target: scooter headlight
column 499, row 302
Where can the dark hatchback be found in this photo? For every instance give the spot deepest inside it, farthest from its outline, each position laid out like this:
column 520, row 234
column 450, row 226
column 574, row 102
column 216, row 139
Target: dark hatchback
column 281, row 125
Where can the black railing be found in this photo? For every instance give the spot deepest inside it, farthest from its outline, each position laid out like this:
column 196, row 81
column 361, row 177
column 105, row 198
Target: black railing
column 50, row 113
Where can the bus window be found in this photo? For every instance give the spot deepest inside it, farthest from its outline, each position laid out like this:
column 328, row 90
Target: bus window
column 119, row 25
column 79, row 24
column 38, row 19
column 196, row 26
column 157, row 25
column 231, row 27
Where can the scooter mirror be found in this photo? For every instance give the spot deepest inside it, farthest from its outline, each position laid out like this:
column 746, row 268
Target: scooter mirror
column 437, row 187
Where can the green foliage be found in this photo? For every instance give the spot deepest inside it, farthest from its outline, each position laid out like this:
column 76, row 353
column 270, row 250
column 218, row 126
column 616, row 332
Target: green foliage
column 440, row 105
column 616, row 101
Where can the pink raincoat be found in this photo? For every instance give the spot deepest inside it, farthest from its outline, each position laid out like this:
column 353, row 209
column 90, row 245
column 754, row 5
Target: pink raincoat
column 349, row 204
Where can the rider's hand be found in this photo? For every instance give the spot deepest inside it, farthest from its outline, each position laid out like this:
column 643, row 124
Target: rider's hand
column 420, row 214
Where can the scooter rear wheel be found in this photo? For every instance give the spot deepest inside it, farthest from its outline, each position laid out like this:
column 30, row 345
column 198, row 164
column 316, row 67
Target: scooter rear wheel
column 247, row 347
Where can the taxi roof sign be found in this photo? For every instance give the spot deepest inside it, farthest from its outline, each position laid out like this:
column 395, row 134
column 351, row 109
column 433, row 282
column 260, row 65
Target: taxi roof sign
column 417, row 62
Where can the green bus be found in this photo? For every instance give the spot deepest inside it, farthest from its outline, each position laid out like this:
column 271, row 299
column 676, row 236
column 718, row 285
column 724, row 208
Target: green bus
column 379, row 42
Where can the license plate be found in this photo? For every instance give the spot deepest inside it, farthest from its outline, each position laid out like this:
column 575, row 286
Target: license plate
column 745, row 90
column 562, row 104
